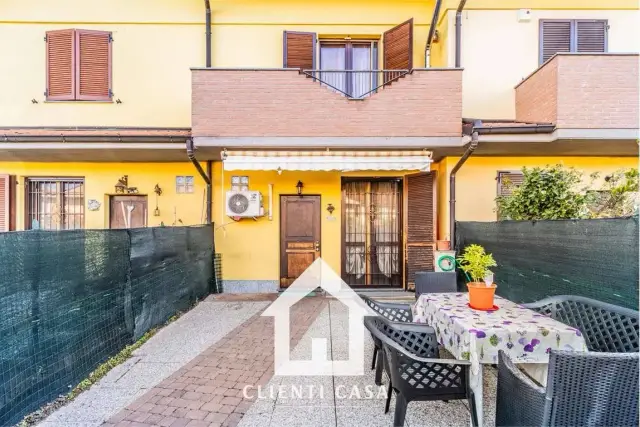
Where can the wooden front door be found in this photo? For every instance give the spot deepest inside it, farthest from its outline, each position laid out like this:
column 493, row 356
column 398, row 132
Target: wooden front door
column 128, row 212
column 299, row 235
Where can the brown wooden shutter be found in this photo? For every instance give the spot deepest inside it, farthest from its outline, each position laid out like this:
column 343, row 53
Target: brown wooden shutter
column 507, row 181
column 398, row 47
column 555, row 36
column 60, row 65
column 591, row 36
column 299, row 50
column 421, row 226
column 7, row 203
column 93, row 65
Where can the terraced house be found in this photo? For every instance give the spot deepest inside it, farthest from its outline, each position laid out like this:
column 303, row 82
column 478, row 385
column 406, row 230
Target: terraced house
column 305, row 129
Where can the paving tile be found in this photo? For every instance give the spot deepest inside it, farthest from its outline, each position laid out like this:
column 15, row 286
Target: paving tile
column 255, row 420
column 210, row 387
column 369, row 416
column 303, row 416
column 437, row 414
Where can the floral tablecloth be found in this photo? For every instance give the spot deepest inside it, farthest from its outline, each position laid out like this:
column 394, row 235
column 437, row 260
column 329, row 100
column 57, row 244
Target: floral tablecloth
column 468, row 334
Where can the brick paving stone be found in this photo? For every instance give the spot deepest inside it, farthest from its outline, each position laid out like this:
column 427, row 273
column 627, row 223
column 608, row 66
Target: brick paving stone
column 207, row 391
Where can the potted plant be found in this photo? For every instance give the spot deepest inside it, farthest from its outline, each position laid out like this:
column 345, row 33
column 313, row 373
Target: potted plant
column 475, row 262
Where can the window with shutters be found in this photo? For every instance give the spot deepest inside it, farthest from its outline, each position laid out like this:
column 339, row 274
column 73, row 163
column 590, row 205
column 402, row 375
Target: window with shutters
column 508, row 181
column 54, row 203
column 7, row 202
column 571, row 35
column 349, row 66
column 78, row 65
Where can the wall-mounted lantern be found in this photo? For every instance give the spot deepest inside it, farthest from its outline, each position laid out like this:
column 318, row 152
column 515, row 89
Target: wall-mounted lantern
column 158, row 191
column 330, row 208
column 299, row 187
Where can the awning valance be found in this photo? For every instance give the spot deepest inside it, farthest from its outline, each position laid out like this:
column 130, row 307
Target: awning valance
column 327, row 160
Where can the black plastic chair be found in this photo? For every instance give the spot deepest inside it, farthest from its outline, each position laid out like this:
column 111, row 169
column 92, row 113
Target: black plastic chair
column 419, row 378
column 606, row 327
column 435, row 282
column 392, row 311
column 583, row 389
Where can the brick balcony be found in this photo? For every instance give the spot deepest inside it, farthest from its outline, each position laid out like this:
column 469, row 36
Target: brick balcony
column 286, row 103
column 582, row 91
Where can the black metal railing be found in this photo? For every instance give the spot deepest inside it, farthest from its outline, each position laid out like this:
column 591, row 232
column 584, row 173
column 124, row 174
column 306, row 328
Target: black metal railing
column 355, row 84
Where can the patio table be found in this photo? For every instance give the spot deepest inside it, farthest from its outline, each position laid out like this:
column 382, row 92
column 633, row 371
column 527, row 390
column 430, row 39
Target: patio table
column 477, row 336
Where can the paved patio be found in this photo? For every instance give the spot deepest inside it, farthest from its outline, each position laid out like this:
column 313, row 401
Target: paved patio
column 193, row 373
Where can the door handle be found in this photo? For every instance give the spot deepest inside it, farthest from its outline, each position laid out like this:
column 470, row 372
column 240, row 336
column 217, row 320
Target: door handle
column 317, row 246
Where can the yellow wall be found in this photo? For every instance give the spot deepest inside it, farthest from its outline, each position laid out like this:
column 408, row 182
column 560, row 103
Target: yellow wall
column 100, row 179
column 476, row 186
column 157, row 41
column 251, row 249
column 498, row 51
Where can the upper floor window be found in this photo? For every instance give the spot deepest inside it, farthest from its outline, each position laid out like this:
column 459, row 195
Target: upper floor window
column 350, row 65
column 571, row 35
column 78, row 65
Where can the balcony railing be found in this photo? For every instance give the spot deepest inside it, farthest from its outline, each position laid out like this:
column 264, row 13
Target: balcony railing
column 355, row 84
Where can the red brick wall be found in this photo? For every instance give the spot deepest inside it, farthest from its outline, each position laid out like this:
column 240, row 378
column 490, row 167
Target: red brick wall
column 286, row 103
column 582, row 92
column 537, row 96
column 598, row 91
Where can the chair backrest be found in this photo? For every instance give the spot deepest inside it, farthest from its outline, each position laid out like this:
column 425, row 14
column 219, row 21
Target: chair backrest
column 416, row 338
column 592, row 389
column 438, row 378
column 606, row 327
column 435, row 282
column 393, row 311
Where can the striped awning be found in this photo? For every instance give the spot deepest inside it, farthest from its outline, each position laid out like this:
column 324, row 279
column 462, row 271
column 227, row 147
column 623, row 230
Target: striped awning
column 326, row 160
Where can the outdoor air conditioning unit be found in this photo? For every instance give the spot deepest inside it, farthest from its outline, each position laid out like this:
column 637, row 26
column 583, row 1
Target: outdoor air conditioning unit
column 244, row 204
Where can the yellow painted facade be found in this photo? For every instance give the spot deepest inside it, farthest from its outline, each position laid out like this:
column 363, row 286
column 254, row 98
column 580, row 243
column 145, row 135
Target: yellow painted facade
column 498, row 51
column 476, row 184
column 251, row 248
column 100, row 180
column 156, row 42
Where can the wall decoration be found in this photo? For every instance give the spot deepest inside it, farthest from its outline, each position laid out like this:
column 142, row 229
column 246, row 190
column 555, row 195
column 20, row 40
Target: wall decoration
column 93, row 205
column 122, row 186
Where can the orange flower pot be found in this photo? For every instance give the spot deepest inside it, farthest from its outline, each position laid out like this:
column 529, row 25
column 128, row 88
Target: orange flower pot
column 443, row 245
column 481, row 295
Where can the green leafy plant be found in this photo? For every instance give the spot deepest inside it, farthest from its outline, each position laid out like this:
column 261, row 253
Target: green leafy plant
column 558, row 192
column 618, row 195
column 475, row 262
column 551, row 192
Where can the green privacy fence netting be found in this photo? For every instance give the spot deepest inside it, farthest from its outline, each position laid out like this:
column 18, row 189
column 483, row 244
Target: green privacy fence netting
column 594, row 258
column 71, row 299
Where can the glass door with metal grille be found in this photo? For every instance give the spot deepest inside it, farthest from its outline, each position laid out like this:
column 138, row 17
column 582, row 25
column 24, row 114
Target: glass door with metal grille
column 349, row 67
column 372, row 232
column 54, row 203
